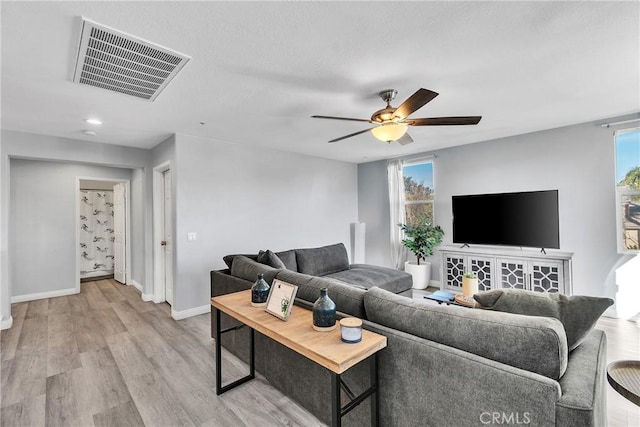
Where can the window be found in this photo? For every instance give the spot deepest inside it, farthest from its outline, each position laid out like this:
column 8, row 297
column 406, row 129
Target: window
column 628, row 189
column 418, row 191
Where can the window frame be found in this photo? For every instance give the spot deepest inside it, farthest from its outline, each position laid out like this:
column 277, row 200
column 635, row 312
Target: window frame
column 620, row 193
column 415, row 162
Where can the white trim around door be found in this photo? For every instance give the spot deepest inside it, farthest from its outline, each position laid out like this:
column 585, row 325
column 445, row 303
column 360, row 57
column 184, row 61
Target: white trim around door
column 159, row 267
column 127, row 242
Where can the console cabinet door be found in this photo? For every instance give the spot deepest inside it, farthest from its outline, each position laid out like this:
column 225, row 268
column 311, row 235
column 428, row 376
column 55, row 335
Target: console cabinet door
column 512, row 273
column 453, row 269
column 484, row 269
column 545, row 276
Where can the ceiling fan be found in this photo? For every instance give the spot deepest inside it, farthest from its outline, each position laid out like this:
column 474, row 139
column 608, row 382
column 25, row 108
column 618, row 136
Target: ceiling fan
column 391, row 123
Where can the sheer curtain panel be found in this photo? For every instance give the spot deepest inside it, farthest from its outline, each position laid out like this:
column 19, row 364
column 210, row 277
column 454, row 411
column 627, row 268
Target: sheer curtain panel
column 396, row 211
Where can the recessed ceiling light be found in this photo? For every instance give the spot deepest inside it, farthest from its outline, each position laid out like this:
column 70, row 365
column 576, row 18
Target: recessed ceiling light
column 93, row 121
column 90, row 132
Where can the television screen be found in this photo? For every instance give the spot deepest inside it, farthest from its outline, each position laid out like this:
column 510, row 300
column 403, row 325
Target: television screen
column 511, row 219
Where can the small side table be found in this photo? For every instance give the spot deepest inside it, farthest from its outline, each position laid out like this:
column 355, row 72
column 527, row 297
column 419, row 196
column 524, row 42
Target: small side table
column 624, row 377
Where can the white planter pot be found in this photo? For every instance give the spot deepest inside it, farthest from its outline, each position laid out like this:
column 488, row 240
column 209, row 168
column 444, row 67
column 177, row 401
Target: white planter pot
column 421, row 274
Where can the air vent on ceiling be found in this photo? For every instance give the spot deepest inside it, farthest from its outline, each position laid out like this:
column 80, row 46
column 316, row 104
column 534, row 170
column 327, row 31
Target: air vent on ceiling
column 116, row 61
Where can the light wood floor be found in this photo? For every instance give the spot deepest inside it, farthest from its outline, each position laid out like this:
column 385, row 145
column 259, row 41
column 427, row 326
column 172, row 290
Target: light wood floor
column 106, row 358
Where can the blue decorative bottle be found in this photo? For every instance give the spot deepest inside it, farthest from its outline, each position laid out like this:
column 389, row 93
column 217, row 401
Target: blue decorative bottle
column 324, row 312
column 259, row 292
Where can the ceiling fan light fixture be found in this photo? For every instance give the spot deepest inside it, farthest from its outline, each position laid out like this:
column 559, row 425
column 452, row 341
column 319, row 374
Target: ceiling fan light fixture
column 389, row 132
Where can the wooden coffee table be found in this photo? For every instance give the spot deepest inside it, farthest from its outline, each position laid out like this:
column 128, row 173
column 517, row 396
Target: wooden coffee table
column 324, row 348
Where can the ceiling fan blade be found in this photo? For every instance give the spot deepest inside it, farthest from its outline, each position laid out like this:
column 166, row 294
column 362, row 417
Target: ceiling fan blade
column 341, row 118
column 350, row 135
column 445, row 121
column 415, row 101
column 405, row 139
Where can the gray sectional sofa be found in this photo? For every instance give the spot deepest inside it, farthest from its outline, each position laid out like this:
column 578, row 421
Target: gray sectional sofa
column 443, row 365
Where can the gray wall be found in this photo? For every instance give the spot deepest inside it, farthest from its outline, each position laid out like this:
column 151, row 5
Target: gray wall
column 577, row 160
column 19, row 145
column 44, row 222
column 242, row 199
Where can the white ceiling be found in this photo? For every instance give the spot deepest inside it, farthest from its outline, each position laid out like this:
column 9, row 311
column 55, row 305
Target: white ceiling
column 259, row 70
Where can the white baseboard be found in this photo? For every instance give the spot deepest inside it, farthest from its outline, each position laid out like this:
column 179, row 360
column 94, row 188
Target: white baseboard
column 6, row 324
column 135, row 284
column 183, row 314
column 43, row 295
column 138, row 286
column 434, row 283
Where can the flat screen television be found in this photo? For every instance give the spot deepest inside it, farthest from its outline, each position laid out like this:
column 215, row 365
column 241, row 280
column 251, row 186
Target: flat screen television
column 512, row 219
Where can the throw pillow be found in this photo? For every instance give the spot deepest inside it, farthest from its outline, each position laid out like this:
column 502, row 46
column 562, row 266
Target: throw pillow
column 577, row 313
column 269, row 258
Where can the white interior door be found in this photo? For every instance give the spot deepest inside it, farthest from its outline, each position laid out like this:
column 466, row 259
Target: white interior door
column 119, row 229
column 168, row 238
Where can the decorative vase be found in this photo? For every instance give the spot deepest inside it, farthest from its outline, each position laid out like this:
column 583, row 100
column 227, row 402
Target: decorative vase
column 469, row 286
column 324, row 312
column 420, row 274
column 260, row 292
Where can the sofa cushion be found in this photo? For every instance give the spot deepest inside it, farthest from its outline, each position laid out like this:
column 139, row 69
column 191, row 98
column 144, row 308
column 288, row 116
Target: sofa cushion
column 323, row 260
column 349, row 299
column 536, row 344
column 248, row 269
column 368, row 276
column 228, row 259
column 269, row 258
column 577, row 313
column 289, row 259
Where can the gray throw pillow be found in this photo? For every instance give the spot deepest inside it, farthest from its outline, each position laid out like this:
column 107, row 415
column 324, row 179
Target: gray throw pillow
column 269, row 258
column 577, row 313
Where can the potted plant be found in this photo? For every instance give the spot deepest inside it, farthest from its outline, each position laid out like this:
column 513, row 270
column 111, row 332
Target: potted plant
column 420, row 238
column 469, row 284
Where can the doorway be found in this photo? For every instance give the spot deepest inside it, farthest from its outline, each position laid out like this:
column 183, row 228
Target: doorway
column 163, row 230
column 102, row 232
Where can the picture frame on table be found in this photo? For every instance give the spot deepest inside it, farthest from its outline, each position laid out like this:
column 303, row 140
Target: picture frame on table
column 281, row 297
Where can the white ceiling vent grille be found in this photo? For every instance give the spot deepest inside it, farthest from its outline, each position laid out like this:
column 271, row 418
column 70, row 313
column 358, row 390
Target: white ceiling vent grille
column 116, row 61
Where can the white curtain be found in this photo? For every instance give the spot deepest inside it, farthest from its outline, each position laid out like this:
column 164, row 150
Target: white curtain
column 96, row 232
column 396, row 211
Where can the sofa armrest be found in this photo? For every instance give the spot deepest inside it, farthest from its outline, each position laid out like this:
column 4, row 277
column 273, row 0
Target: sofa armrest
column 583, row 401
column 451, row 387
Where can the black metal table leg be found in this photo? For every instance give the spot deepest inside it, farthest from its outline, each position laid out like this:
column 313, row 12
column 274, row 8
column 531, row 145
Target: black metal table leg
column 219, row 387
column 373, row 373
column 338, row 411
column 336, row 406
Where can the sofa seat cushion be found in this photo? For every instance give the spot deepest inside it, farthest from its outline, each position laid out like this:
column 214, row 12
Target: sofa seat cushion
column 349, row 299
column 322, row 261
column 368, row 276
column 536, row 344
column 577, row 313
